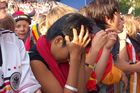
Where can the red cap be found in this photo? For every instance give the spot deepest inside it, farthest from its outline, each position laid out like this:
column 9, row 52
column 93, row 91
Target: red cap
column 18, row 13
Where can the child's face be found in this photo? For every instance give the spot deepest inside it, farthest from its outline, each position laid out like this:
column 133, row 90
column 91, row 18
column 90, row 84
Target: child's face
column 118, row 22
column 21, row 28
column 60, row 52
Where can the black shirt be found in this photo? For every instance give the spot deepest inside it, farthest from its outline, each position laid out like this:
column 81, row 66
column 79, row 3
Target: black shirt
column 34, row 55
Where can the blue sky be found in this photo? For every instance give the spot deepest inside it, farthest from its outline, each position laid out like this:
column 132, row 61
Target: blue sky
column 74, row 3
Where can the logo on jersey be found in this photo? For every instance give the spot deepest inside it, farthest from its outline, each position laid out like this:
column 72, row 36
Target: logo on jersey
column 15, row 80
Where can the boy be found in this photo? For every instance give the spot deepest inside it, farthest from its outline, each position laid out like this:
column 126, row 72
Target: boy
column 106, row 15
column 15, row 72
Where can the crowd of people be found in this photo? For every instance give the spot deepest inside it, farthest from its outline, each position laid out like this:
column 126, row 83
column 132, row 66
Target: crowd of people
column 53, row 48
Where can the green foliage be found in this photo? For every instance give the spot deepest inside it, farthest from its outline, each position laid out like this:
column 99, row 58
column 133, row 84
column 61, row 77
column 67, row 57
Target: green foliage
column 126, row 4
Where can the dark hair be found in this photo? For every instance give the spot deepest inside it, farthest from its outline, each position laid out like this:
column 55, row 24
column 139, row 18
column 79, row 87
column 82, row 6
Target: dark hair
column 65, row 24
column 98, row 9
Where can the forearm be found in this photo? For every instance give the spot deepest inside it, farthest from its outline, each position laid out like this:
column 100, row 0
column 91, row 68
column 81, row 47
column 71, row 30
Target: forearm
column 123, row 60
column 82, row 79
column 72, row 79
column 90, row 59
column 126, row 67
column 92, row 56
column 101, row 65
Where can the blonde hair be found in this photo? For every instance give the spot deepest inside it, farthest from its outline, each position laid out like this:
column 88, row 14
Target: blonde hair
column 130, row 25
column 128, row 16
column 53, row 15
column 7, row 23
column 137, row 19
column 83, row 11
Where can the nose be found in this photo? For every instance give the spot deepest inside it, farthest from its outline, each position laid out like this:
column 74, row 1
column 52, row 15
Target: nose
column 21, row 29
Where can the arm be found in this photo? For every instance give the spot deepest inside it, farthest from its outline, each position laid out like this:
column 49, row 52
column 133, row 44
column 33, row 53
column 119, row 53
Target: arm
column 42, row 73
column 49, row 83
column 82, row 81
column 123, row 59
column 101, row 65
column 98, row 42
column 81, row 40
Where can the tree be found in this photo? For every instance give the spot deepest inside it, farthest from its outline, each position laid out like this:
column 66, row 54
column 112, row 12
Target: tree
column 125, row 5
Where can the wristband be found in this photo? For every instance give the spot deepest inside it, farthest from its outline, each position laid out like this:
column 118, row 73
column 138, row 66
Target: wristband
column 90, row 66
column 71, row 88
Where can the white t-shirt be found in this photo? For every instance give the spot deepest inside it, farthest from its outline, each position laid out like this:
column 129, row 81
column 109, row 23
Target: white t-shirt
column 15, row 72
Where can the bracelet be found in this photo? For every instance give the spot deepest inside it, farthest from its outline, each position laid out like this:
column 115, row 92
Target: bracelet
column 90, row 66
column 71, row 88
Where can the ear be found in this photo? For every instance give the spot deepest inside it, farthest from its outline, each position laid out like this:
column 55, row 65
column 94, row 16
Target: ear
column 58, row 41
column 108, row 21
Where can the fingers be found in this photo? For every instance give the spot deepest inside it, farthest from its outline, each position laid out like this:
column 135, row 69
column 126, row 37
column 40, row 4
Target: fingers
column 112, row 35
column 87, row 42
column 102, row 32
column 75, row 35
column 100, row 36
column 83, row 38
column 81, row 33
column 111, row 30
column 86, row 37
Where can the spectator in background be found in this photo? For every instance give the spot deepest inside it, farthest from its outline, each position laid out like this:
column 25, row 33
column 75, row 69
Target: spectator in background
column 16, row 10
column 129, row 52
column 23, row 30
column 65, row 70
column 47, row 19
column 106, row 15
column 15, row 72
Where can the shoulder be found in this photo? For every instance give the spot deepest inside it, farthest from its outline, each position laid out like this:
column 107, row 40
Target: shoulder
column 34, row 55
column 2, row 32
column 8, row 35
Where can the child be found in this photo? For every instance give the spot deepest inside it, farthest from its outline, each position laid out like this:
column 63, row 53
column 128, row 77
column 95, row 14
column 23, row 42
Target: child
column 59, row 56
column 15, row 72
column 106, row 15
column 22, row 29
column 129, row 52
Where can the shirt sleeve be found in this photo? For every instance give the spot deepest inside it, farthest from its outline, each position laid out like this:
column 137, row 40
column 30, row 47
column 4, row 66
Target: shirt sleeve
column 34, row 55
